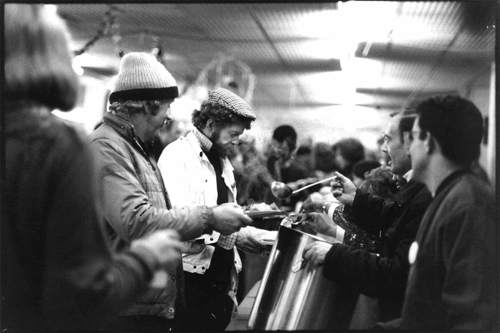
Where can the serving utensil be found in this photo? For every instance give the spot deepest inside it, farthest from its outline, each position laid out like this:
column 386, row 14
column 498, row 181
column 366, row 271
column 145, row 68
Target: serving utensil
column 282, row 191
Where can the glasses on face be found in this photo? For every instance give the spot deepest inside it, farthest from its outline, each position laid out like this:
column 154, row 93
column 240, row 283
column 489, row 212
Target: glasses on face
column 167, row 121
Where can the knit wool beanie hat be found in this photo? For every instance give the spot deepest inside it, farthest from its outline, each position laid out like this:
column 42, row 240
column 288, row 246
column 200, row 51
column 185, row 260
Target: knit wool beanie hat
column 142, row 78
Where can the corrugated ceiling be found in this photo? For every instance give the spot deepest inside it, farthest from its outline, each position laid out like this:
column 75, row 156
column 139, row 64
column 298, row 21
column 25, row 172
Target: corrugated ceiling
column 418, row 48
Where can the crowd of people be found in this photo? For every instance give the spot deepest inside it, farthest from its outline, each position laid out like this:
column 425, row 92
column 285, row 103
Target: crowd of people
column 111, row 233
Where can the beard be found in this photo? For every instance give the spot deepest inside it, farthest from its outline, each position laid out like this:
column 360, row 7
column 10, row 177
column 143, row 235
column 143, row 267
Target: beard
column 222, row 151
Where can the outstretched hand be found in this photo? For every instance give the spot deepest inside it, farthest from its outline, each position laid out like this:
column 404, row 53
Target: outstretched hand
column 320, row 223
column 343, row 189
column 314, row 203
column 248, row 243
column 316, row 252
column 229, row 218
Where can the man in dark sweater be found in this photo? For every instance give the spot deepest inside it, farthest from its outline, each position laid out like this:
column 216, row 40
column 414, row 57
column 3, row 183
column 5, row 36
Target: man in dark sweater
column 380, row 276
column 453, row 283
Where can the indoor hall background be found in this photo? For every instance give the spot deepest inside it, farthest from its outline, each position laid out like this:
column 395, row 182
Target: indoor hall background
column 329, row 69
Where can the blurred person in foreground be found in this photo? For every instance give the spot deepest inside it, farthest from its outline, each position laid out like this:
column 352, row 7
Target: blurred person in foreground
column 132, row 196
column 57, row 271
column 196, row 170
column 453, row 282
column 383, row 277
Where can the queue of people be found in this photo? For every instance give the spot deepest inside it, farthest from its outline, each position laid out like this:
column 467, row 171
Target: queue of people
column 101, row 234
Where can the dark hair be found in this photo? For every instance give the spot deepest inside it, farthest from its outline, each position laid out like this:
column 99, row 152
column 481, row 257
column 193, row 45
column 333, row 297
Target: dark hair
column 304, row 150
column 219, row 115
column 351, row 149
column 324, row 157
column 130, row 108
column 408, row 116
column 456, row 124
column 360, row 168
column 284, row 131
column 380, row 182
column 38, row 64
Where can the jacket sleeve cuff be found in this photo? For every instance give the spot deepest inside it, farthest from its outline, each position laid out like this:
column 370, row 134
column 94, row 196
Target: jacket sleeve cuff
column 208, row 219
column 349, row 209
column 330, row 266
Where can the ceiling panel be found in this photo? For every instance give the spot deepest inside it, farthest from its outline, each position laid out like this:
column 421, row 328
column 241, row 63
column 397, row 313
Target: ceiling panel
column 398, row 51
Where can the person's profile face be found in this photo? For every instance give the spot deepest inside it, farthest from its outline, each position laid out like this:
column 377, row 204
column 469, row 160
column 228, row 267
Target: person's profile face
column 161, row 118
column 224, row 138
column 394, row 149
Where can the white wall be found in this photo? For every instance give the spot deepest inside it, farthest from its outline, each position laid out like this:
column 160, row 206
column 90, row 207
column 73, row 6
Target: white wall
column 91, row 105
column 481, row 92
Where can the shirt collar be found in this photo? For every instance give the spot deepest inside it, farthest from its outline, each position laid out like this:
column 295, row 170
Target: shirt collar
column 125, row 129
column 408, row 175
column 204, row 142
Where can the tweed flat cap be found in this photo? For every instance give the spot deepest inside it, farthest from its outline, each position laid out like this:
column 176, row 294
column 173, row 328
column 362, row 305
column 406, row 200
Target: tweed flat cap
column 142, row 77
column 232, row 102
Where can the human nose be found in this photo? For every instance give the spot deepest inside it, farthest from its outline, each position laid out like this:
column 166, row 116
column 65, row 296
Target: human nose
column 383, row 148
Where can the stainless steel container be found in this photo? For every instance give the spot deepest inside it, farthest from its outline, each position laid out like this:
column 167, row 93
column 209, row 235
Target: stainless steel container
column 294, row 295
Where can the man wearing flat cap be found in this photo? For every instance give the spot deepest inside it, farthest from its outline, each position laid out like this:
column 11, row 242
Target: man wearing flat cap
column 196, row 170
column 132, row 198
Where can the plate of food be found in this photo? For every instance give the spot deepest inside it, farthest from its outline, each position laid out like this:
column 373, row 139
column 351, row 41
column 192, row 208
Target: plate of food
column 264, row 214
column 263, row 211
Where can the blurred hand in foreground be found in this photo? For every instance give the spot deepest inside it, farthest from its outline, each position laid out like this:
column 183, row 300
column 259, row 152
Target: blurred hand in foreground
column 165, row 245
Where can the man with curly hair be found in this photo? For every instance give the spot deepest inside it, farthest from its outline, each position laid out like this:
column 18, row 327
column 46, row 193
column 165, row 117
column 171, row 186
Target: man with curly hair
column 196, row 170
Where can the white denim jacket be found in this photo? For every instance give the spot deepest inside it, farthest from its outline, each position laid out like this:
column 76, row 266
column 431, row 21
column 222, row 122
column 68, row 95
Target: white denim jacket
column 190, row 180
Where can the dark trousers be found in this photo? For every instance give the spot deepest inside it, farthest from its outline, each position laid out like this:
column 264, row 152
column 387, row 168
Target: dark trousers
column 142, row 324
column 209, row 307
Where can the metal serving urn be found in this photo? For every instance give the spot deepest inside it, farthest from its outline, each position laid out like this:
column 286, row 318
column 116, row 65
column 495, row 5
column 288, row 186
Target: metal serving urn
column 294, row 295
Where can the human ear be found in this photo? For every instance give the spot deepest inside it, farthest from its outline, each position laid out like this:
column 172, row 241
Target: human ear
column 430, row 144
column 210, row 125
column 407, row 140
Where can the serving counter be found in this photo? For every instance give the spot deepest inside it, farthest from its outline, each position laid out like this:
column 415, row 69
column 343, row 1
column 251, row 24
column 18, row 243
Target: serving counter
column 293, row 294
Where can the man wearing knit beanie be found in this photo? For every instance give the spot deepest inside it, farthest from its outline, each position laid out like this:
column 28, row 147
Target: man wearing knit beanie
column 196, row 170
column 132, row 198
